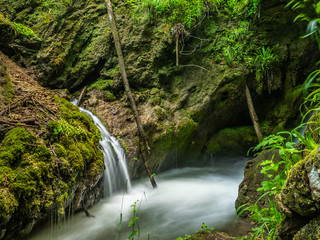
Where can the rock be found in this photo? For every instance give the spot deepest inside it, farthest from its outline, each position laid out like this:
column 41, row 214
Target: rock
column 290, row 225
column 248, row 193
column 235, row 141
column 300, row 194
column 310, row 231
column 49, row 156
column 78, row 51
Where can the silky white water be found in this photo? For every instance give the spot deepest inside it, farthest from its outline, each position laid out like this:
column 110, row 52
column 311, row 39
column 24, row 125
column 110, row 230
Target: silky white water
column 184, row 200
column 116, row 174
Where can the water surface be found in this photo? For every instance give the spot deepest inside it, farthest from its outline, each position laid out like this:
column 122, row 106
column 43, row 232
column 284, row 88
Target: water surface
column 184, row 200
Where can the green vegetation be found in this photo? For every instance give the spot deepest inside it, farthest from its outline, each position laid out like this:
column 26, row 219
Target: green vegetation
column 291, row 165
column 39, row 175
column 174, row 11
column 25, row 175
column 188, row 12
column 204, row 233
column 267, row 218
column 18, row 28
column 134, row 223
column 232, row 139
column 6, row 86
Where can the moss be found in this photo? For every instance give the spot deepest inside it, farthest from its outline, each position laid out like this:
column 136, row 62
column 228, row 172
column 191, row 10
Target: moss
column 296, row 192
column 310, row 231
column 6, row 86
column 8, row 204
column 161, row 113
column 60, row 150
column 26, row 173
column 102, row 84
column 232, row 139
column 35, row 177
column 105, row 86
column 184, row 132
column 15, row 144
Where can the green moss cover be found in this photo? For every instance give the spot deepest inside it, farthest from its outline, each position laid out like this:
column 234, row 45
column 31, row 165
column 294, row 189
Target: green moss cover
column 6, row 87
column 39, row 175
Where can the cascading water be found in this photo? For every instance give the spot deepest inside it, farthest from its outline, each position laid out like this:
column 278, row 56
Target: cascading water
column 116, row 174
column 185, row 199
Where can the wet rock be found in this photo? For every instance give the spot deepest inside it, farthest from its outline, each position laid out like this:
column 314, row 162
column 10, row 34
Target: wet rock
column 247, row 193
column 290, row 226
column 300, row 194
column 310, row 231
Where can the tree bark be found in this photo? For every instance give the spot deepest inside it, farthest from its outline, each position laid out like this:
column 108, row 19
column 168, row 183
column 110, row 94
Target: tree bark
column 128, row 90
column 253, row 114
column 81, row 95
column 177, row 49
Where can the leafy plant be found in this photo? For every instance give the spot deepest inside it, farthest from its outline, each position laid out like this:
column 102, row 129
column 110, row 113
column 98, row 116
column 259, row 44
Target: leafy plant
column 18, row 27
column 134, row 223
column 204, row 228
column 309, row 10
column 264, row 58
column 266, row 219
column 185, row 12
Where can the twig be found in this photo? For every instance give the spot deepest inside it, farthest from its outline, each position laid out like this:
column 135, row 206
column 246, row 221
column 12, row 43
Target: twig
column 194, row 65
column 17, row 123
column 34, row 102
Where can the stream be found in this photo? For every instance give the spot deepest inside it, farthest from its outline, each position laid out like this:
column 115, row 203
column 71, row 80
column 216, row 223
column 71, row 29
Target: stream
column 184, row 200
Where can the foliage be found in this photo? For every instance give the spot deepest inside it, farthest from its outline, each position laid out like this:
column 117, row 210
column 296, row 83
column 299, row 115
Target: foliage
column 268, row 218
column 309, row 10
column 236, row 8
column 18, row 27
column 188, row 12
column 199, row 234
column 264, row 58
column 134, row 223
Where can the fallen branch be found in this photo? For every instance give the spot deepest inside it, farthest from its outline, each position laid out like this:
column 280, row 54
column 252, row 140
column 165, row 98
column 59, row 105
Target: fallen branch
column 19, row 123
column 85, row 209
column 36, row 101
column 81, row 95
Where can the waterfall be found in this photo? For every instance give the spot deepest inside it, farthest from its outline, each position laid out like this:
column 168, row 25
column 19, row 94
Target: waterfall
column 116, row 174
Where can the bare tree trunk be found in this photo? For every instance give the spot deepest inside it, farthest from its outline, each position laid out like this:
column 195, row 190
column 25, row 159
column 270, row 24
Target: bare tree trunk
column 253, row 114
column 127, row 88
column 177, row 49
column 81, row 95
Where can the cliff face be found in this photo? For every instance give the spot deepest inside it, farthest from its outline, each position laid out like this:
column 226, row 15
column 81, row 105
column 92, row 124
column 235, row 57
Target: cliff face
column 182, row 108
column 190, row 112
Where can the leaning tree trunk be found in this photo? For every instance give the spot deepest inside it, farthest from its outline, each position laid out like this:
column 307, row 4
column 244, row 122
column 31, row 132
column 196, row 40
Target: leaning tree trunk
column 177, row 49
column 128, row 90
column 253, row 114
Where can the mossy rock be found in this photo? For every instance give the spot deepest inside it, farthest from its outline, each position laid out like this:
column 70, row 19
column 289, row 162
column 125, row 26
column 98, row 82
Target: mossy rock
column 310, row 231
column 41, row 176
column 237, row 140
column 299, row 193
column 173, row 141
column 26, row 175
